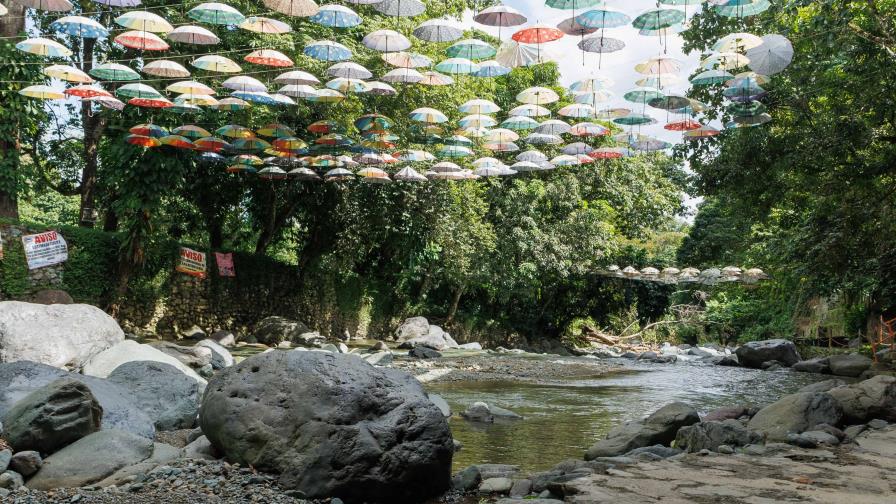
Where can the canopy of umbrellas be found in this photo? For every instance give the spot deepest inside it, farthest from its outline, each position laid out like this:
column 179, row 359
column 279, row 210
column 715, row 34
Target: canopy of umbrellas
column 709, row 276
column 142, row 30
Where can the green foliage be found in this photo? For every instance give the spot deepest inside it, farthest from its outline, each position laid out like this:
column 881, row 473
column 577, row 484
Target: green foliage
column 572, row 335
column 13, row 269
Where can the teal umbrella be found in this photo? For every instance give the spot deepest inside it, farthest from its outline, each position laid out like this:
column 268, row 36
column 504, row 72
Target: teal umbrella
column 519, row 123
column 114, row 72
column 603, row 17
column 571, row 4
column 742, row 8
column 711, row 77
column 634, row 120
column 643, row 95
column 471, row 49
column 657, row 19
column 216, row 13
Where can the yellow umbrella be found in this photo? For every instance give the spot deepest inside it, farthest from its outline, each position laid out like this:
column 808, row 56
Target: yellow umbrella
column 260, row 24
column 190, row 87
column 215, row 63
column 144, row 21
column 44, row 47
column 42, row 92
column 67, row 73
column 296, row 8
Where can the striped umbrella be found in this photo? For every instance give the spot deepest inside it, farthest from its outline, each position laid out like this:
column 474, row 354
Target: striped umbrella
column 44, row 47
column 406, row 60
column 643, row 95
column 327, row 50
column 409, row 174
column 344, row 85
column 602, row 18
column 537, row 95
column 295, row 8
column 471, row 49
column 530, row 110
column 144, row 41
column 144, row 21
column 137, row 90
column 195, row 35
column 577, row 110
column 457, row 66
column 114, row 72
column 519, row 123
column 142, row 141
column 191, row 131
column 148, row 130
column 231, row 104
column 403, row 76
column 327, row 96
column 177, row 141
column 502, row 135
column 525, row 166
column 67, row 73
column 594, row 98
column 216, row 13
column 244, row 83
column 479, row 106
column 298, row 91
column 216, row 63
column 336, row 16
column 588, row 129
column 532, row 156
column 296, row 77
column 195, row 100
column 428, row 115
column 571, row 4
column 265, row 25
column 477, row 121
column 165, row 68
column 349, row 70
column 79, row 26
column 211, row 144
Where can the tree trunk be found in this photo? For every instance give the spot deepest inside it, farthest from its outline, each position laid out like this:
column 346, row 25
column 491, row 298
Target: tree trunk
column 93, row 131
column 455, row 301
column 111, row 222
column 215, row 234
column 11, row 25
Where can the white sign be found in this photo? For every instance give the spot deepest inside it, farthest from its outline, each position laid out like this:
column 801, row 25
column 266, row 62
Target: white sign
column 44, row 249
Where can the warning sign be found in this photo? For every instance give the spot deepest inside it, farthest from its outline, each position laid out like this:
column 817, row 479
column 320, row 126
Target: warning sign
column 191, row 262
column 44, row 249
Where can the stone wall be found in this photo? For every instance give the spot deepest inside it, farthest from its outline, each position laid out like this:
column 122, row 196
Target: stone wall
column 29, row 281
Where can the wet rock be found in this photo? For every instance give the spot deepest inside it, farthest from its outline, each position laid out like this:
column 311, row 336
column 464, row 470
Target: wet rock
column 497, row 470
column 467, row 479
column 220, row 356
column 470, row 346
column 725, row 360
column 700, row 352
column 816, row 365
column 223, row 338
column 659, row 451
column 422, row 352
column 867, row 400
column 52, row 417
column 91, row 459
column 26, row 462
column 754, row 353
column 272, row 331
column 772, row 365
column 659, row 428
column 877, row 423
column 330, row 425
column 484, row 413
column 379, row 358
column 62, row 336
column 823, row 386
column 102, row 364
column 849, row 365
column 830, row 429
column 169, row 397
column 725, row 449
column 726, row 413
column 629, row 355
column 441, row 403
column 712, row 435
column 495, row 485
column 648, row 356
column 195, row 333
column 310, row 339
column 379, row 346
column 436, row 338
column 795, row 413
column 521, row 488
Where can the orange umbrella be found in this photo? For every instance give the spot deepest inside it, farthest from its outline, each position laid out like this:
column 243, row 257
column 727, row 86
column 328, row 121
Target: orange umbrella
column 211, row 144
column 144, row 41
column 177, row 141
column 269, row 57
column 150, row 102
column 142, row 141
column 87, row 91
column 684, row 125
column 538, row 34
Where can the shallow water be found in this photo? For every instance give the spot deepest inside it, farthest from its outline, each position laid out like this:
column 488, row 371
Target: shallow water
column 566, row 417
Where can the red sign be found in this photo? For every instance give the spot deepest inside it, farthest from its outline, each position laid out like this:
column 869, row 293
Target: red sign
column 225, row 264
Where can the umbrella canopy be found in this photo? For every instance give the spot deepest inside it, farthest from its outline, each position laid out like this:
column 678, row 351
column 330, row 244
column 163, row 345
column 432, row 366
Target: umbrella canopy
column 409, row 174
column 436, row 79
column 114, row 72
column 428, row 115
column 141, row 40
column 519, row 123
column 603, row 17
column 607, row 153
column 215, row 63
column 68, row 73
column 231, row 104
column 295, row 8
column 337, row 174
column 634, row 120
column 537, row 95
column 373, row 121
column 445, row 167
column 347, row 85
column 142, row 141
column 177, row 141
column 643, row 95
column 543, row 139
column 48, row 5
column 44, row 47
column 655, row 19
column 502, row 135
column 572, row 27
column 701, row 133
column 298, row 91
column 191, row 131
column 711, row 77
column 683, row 125
column 259, row 24
column 349, row 70
column 539, row 34
column 565, row 160
column 193, row 100
column 571, row 4
column 439, row 30
column 477, row 121
column 144, row 21
column 137, row 90
column 244, row 83
column 160, row 102
column 400, row 8
column 479, row 106
column 658, row 81
column 272, row 173
column 211, row 144
column 375, row 175
column 525, row 166
column 491, row 68
column 327, row 96
column 670, row 102
column 737, row 42
column 269, row 57
column 406, row 60
column 530, row 110
column 513, row 54
column 386, row 41
column 588, row 129
column 577, row 110
column 166, row 68
column 455, row 151
column 195, row 35
column 235, row 131
column 772, row 56
column 531, row 156
column 42, row 92
column 216, row 13
column 190, row 87
column 457, row 66
column 471, row 49
column 741, row 8
column 327, row 50
column 377, row 88
column 725, row 61
column 79, row 26
column 336, row 16
column 296, row 77
column 553, row 127
column 593, row 98
column 601, row 44
column 658, row 65
column 403, row 76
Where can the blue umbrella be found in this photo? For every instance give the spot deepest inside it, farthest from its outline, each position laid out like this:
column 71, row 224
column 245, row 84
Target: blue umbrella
column 327, row 50
column 336, row 16
column 603, row 18
column 491, row 68
column 79, row 26
column 457, row 66
column 255, row 97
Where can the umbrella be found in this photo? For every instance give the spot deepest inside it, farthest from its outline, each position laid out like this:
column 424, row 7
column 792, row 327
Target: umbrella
column 491, row 68
column 406, row 60
column 553, row 127
column 487, row 161
column 603, row 17
column 565, row 160
column 741, row 8
column 409, row 174
column 190, row 87
column 683, row 125
column 137, row 90
column 245, row 83
column 537, row 95
column 519, row 123
column 643, row 95
column 250, row 144
column 455, row 151
column 272, row 173
column 610, row 114
column 269, row 57
column 374, row 175
column 114, row 72
column 607, row 153
column 471, row 49
column 216, row 13
column 191, row 131
column 304, row 174
column 79, row 26
column 47, row 5
column 502, row 146
column 428, row 115
column 325, row 127
column 211, row 144
column 194, row 100
column 165, row 68
column 160, row 102
column 531, row 156
column 755, row 120
column 500, row 16
column 338, row 174
column 298, row 91
column 44, row 47
column 400, row 8
column 656, row 19
column 572, row 27
column 772, row 56
column 493, row 172
column 259, row 97
column 296, row 77
column 669, row 102
column 144, row 21
column 529, row 110
column 414, row 156
column 650, row 145
column 737, row 42
column 588, row 129
column 634, row 120
column 349, row 70
column 439, row 30
column 513, row 55
column 571, row 4
column 376, row 88
column 458, row 140
column 725, row 61
column 403, row 75
column 711, row 77
column 502, row 135
column 144, row 41
column 42, row 92
column 344, row 85
column 373, row 121
column 326, row 50
column 215, row 63
column 525, row 166
column 445, row 167
column 177, row 141
column 701, row 133
column 577, row 110
column 539, row 34
column 195, row 35
column 289, row 144
column 658, row 81
column 327, row 96
column 142, row 141
column 601, row 44
column 593, row 98
column 457, row 66
column 479, row 106
column 477, row 121
column 386, row 41
column 658, row 65
column 235, row 131
column 543, row 139
column 336, row 16
column 266, row 25
column 247, row 160
column 295, row 8
column 436, row 79
column 231, row 104
column 68, row 73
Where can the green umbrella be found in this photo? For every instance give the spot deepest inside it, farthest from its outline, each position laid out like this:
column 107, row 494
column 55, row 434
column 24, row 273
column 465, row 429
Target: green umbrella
column 471, row 49
column 571, row 4
column 710, row 77
column 657, row 19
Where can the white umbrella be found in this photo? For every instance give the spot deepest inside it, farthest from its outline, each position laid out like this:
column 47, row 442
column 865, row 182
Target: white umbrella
column 436, row 79
column 349, row 70
column 296, row 77
column 445, row 167
column 532, row 156
column 513, row 55
column 403, row 76
column 401, row 8
column 298, row 91
column 772, row 56
column 577, row 110
column 479, row 106
column 439, row 30
column 537, row 95
column 529, row 110
column 165, row 68
column 386, row 41
column 378, row 88
column 245, row 83
column 296, row 8
column 553, row 127
column 409, row 174
column 195, row 35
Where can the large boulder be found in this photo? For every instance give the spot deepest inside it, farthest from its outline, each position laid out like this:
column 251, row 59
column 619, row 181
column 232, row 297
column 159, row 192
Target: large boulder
column 52, row 417
column 18, row 379
column 867, row 400
column 436, row 338
column 90, row 459
column 411, row 328
column 275, row 330
column 796, row 413
column 754, row 353
column 711, row 435
column 169, row 397
column 52, row 296
column 849, row 364
column 57, row 335
column 195, row 357
column 816, row 365
column 660, row 427
column 331, row 425
column 105, row 362
column 221, row 357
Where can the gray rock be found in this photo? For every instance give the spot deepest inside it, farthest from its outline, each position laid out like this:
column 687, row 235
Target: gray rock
column 659, row 428
column 435, row 338
column 754, row 353
column 273, row 330
column 221, row 357
column 498, row 470
column 467, row 479
column 821, row 437
column 823, row 386
column 726, row 413
column 441, row 403
column 495, row 485
column 867, row 400
column 194, row 333
column 169, row 397
column 659, row 451
column 5, row 458
column 19, row 379
column 342, row 347
column 90, row 459
column 52, row 296
column 57, row 335
column 223, row 338
column 770, row 365
column 483, row 413
column 379, row 346
column 849, row 364
column 854, row 430
column 195, row 357
column 11, row 480
column 816, row 365
column 329, row 347
column 712, row 435
column 830, row 429
column 194, row 434
column 521, row 488
column 52, row 417
column 201, row 449
column 411, row 328
column 422, row 352
column 795, row 413
column 725, row 449
column 458, row 446
column 26, row 462
column 102, row 364
column 725, row 360
column 470, row 346
column 877, row 423
column 700, row 352
column 330, row 425
column 648, row 355
column 379, row 358
column 629, row 355
column 540, row 500
column 310, row 339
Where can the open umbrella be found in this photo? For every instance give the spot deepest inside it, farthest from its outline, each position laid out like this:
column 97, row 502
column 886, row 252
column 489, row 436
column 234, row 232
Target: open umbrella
column 436, row 79
column 601, row 44
column 144, row 21
column 141, row 40
column 457, row 66
column 211, row 144
column 244, row 83
column 594, row 98
column 513, row 54
column 177, row 141
column 439, row 30
column 658, row 18
column 725, row 61
column 471, row 49
column 737, row 42
column 479, row 106
column 295, row 8
column 336, row 16
column 529, row 110
column 711, row 77
column 658, row 65
column 491, row 68
column 634, row 119
column 519, row 123
column 269, row 57
column 44, row 47
column 537, row 95
column 298, row 91
column 539, row 34
column 190, row 87
column 772, row 56
column 114, row 72
column 400, row 8
column 215, row 63
column 327, row 96
column 502, row 135
column 327, row 50
column 195, row 100
column 344, row 85
column 543, row 139
column 349, row 70
column 532, row 156
column 741, row 8
column 165, row 68
column 428, row 115
column 386, row 41
column 159, row 102
column 403, row 76
column 406, row 60
column 42, row 92
column 602, row 18
column 79, row 26
column 195, row 35
column 137, row 90
column 554, row 127
column 500, row 16
column 191, row 131
column 409, row 174
column 265, row 25
column 48, row 5
column 588, row 129
column 142, row 141
column 577, row 110
column 296, row 77
column 68, row 73
column 216, row 13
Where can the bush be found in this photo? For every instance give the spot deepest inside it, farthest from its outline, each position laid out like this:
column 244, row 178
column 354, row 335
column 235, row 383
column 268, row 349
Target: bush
column 572, row 335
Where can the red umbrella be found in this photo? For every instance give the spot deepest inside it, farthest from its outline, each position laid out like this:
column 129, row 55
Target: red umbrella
column 143, row 141
column 538, row 34
column 87, row 91
column 150, row 102
column 683, row 125
column 145, row 41
column 211, row 144
column 606, row 153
